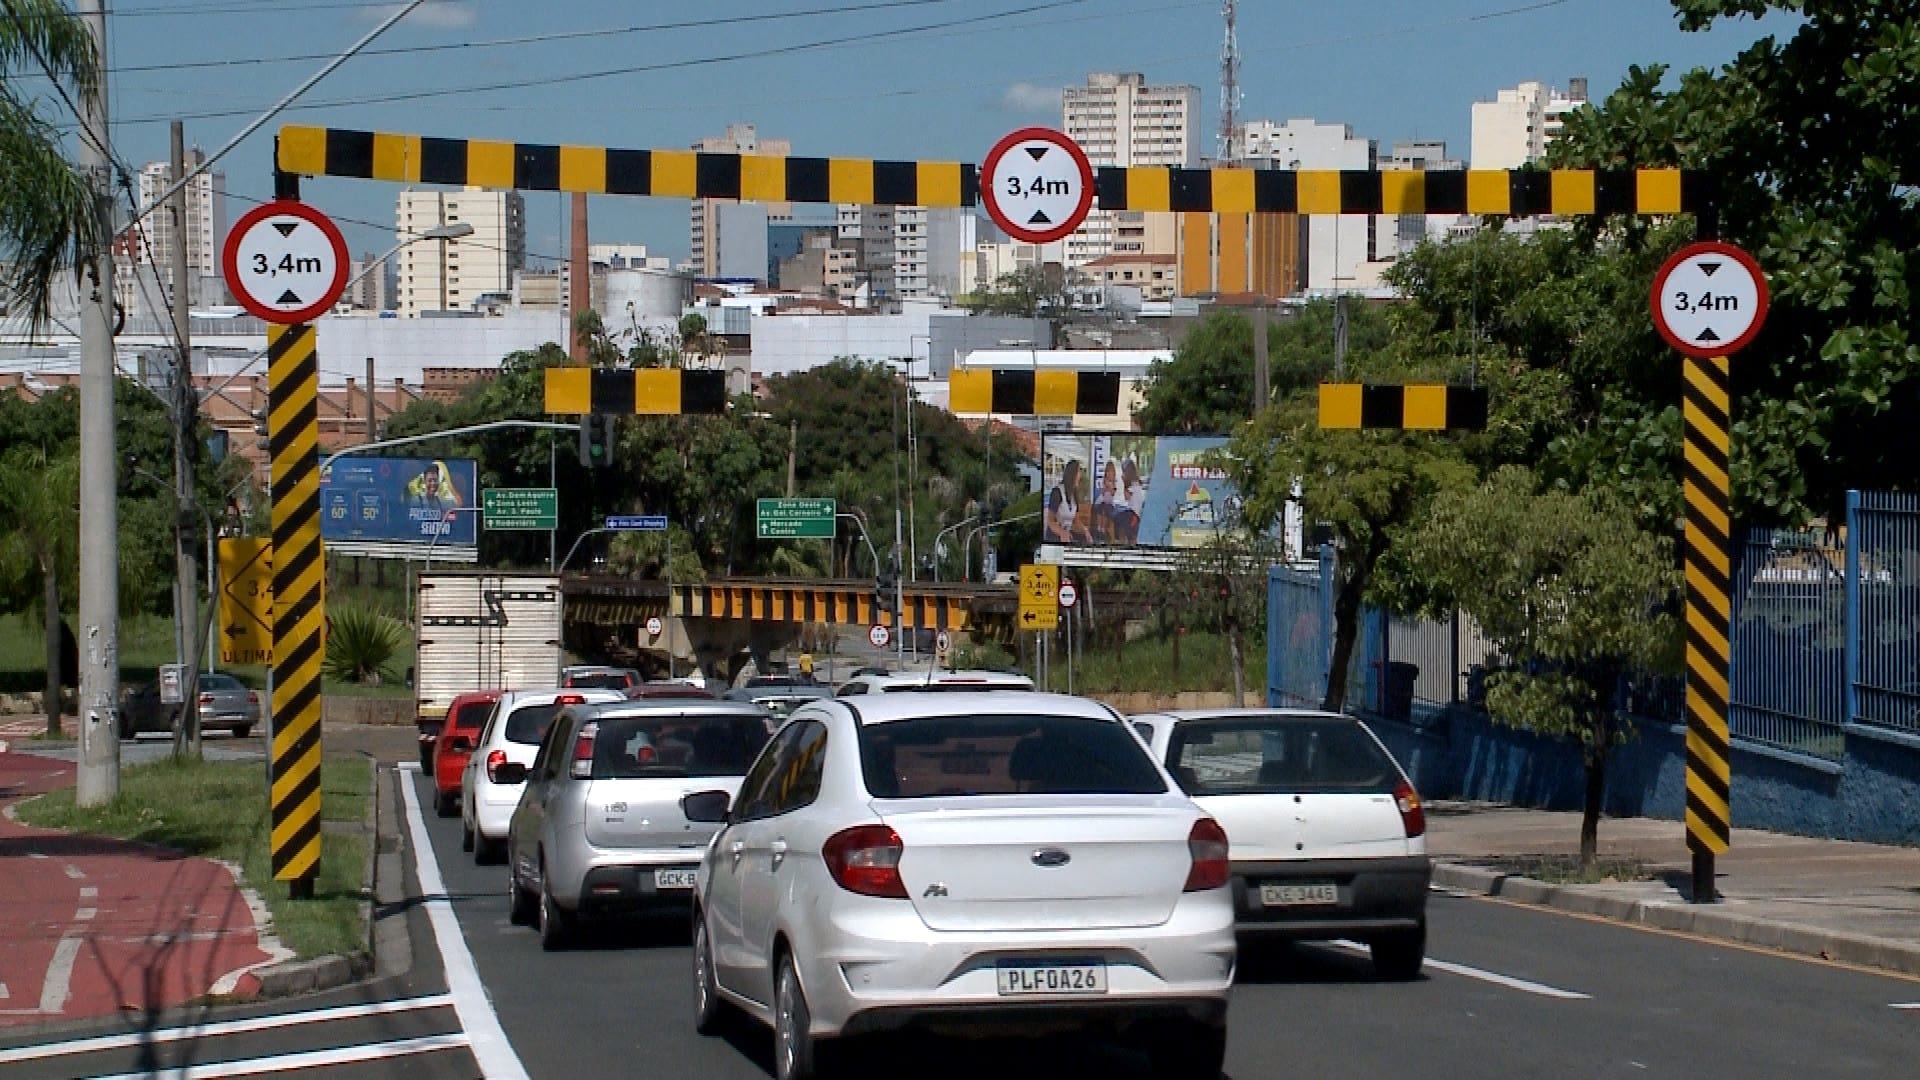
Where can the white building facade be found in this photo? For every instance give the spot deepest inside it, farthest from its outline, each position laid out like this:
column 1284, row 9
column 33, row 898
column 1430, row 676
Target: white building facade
column 206, row 229
column 1118, row 119
column 1515, row 127
column 449, row 275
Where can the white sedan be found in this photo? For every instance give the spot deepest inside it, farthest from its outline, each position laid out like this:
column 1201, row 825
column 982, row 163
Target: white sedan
column 1329, row 836
column 977, row 862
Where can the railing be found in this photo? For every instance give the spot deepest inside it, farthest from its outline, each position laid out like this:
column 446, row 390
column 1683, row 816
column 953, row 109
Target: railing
column 1789, row 643
column 1883, row 581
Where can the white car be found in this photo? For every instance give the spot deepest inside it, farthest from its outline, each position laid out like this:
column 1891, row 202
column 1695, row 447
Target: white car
column 979, row 863
column 1329, row 836
column 934, row 681
column 512, row 735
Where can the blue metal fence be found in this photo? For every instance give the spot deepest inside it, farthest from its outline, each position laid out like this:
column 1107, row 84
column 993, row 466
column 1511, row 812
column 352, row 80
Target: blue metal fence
column 1883, row 596
column 1826, row 632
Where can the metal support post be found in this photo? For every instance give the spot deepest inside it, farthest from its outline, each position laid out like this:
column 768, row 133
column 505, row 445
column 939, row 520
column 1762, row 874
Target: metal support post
column 187, row 737
column 1706, row 412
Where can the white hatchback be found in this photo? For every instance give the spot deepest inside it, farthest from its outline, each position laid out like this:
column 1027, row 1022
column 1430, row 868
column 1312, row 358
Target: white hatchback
column 512, row 735
column 983, row 863
column 1329, row 837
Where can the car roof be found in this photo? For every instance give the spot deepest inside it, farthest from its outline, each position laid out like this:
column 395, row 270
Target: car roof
column 679, row 706
column 683, row 691
column 886, row 708
column 944, row 678
column 474, row 696
column 545, row 695
column 1247, row 714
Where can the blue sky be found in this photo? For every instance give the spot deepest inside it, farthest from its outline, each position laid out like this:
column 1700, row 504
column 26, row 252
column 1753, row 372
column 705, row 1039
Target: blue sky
column 948, row 81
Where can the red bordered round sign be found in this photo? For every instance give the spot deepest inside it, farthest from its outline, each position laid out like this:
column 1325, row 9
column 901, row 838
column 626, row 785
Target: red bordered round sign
column 1037, row 185
column 1709, row 299
column 285, row 262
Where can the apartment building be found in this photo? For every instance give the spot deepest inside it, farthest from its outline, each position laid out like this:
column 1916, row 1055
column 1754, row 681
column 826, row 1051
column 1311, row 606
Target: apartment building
column 1515, row 128
column 449, row 275
column 1118, row 119
column 206, row 228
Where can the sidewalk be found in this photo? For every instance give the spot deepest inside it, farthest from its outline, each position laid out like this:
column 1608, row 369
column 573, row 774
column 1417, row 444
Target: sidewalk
column 1854, row 903
column 96, row 927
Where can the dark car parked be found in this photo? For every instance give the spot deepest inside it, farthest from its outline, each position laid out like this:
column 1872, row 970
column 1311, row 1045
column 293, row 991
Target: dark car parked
column 226, row 704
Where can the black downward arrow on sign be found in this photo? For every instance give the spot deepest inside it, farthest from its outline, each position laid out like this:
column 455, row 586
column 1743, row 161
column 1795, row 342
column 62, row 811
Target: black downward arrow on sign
column 287, row 298
column 1708, row 268
column 1708, row 335
column 1036, row 152
column 286, row 227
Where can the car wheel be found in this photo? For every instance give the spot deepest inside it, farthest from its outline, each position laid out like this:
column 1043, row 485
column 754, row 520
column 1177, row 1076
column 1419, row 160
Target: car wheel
column 486, row 851
column 426, row 758
column 241, row 731
column 706, row 999
column 466, row 836
column 445, row 803
column 523, row 908
column 1398, row 957
column 556, row 926
column 793, row 1047
column 1191, row 1051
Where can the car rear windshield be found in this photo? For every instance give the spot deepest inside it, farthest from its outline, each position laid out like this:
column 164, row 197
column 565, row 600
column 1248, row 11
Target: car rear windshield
column 211, row 681
column 635, row 747
column 600, row 680
column 472, row 716
column 933, row 756
column 528, row 723
column 954, row 687
column 1233, row 756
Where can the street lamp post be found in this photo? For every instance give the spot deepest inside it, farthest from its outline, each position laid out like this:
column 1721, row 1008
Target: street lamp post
column 942, row 535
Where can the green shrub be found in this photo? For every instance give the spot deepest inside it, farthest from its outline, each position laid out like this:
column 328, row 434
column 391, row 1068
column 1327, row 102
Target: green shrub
column 361, row 645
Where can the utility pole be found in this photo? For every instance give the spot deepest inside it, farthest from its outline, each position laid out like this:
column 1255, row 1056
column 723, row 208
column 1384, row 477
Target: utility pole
column 98, row 780
column 1340, row 336
column 793, row 451
column 1261, row 396
column 372, row 425
column 187, row 738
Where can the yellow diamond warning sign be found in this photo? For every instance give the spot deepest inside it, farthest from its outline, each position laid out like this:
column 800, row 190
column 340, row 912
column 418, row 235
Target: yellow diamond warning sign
column 1039, row 597
column 246, row 601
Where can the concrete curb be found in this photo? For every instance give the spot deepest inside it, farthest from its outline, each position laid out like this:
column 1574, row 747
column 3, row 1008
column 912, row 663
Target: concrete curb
column 309, row 976
column 1702, row 921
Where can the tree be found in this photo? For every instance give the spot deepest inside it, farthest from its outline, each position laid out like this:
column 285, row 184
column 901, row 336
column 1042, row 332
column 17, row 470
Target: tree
column 1031, row 291
column 39, row 534
column 1573, row 596
column 1222, row 585
column 46, row 208
column 1814, row 142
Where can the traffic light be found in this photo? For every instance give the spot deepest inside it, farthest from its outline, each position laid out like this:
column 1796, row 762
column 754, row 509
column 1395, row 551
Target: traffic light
column 885, row 586
column 596, row 440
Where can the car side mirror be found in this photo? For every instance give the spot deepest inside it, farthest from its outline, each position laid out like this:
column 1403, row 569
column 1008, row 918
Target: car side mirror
column 459, row 744
column 709, row 807
column 511, row 772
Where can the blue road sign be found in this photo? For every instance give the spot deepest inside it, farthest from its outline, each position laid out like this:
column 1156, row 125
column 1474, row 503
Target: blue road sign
column 637, row 522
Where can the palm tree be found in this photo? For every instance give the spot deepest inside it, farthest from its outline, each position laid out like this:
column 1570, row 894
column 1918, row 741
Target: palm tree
column 39, row 531
column 46, row 207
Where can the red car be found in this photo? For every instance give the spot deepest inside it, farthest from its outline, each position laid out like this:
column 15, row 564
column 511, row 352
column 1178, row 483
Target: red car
column 465, row 717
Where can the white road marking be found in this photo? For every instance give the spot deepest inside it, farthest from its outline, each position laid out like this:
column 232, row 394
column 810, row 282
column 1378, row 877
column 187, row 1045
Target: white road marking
column 53, row 992
column 312, row 1059
column 264, row 937
column 1493, row 977
column 489, row 1042
column 1895, row 1005
column 221, row 1027
column 89, row 892
column 75, row 872
column 84, row 914
column 4, row 995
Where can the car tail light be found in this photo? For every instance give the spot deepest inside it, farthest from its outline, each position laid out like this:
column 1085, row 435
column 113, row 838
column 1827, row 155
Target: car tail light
column 1207, row 845
column 1412, row 814
column 253, row 697
column 494, row 761
column 866, row 860
column 583, row 751
column 206, row 699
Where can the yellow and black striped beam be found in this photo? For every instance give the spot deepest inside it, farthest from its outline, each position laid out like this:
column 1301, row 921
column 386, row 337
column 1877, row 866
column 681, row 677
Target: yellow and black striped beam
column 416, row 159
column 1027, row 392
column 1517, row 193
column 1709, row 571
column 635, row 391
column 1350, row 406
column 850, row 605
column 299, row 613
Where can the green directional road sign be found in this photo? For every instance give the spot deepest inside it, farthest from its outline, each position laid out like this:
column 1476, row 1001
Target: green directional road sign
column 520, row 508
column 794, row 519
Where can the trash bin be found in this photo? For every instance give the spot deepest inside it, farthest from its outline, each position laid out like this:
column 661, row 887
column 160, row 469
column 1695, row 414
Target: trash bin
column 1397, row 701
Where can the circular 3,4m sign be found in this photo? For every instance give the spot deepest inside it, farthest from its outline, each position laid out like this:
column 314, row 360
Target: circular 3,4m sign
column 285, row 262
column 1709, row 299
column 1037, row 184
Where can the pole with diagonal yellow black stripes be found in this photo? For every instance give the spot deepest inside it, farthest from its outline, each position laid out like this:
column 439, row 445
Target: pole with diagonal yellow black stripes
column 1709, row 300
column 293, row 388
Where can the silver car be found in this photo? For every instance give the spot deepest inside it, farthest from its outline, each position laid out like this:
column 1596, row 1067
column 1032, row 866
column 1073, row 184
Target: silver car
column 599, row 829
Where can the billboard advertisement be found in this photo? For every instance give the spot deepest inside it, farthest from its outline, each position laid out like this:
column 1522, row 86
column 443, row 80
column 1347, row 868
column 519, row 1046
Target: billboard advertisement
column 1153, row 491
column 399, row 500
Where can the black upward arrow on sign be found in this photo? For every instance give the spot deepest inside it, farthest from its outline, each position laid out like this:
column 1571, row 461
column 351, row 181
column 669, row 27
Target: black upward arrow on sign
column 1039, row 218
column 287, row 298
column 1708, row 335
column 286, row 227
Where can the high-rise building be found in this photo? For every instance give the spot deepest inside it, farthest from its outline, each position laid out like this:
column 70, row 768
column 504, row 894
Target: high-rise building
column 449, row 275
column 1515, row 127
column 206, row 230
column 1120, row 120
column 927, row 247
column 1337, row 245
column 870, row 232
column 372, row 291
column 723, row 227
column 1402, row 233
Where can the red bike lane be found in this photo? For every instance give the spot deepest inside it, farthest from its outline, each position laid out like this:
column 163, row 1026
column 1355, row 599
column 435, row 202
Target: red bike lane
column 91, row 926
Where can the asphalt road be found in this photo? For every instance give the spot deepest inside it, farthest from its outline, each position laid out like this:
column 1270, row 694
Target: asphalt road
column 1523, row 993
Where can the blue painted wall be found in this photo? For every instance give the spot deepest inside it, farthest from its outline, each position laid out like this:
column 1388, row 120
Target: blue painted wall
column 1874, row 795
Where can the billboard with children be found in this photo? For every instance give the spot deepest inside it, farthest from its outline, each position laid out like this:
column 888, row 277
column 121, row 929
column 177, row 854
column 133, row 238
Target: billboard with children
column 1153, row 491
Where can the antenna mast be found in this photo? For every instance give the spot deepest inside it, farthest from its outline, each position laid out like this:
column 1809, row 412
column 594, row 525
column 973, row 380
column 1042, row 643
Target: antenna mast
column 1229, row 86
